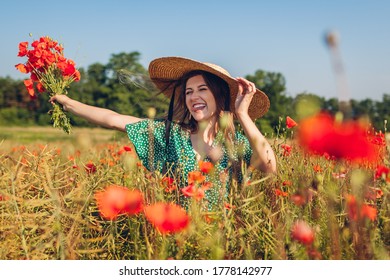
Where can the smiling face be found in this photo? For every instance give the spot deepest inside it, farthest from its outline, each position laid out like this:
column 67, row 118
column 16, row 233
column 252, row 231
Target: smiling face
column 200, row 100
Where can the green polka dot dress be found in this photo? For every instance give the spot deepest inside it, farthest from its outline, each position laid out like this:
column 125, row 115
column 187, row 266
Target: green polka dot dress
column 148, row 138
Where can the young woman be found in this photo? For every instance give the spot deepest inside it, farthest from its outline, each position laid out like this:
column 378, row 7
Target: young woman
column 205, row 99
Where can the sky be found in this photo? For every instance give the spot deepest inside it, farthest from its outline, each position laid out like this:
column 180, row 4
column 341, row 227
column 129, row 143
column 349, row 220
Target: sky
column 242, row 36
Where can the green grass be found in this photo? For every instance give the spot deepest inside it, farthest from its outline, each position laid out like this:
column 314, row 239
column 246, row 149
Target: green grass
column 48, row 210
column 26, row 135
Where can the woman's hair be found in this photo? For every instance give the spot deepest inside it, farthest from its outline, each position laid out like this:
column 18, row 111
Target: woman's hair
column 221, row 93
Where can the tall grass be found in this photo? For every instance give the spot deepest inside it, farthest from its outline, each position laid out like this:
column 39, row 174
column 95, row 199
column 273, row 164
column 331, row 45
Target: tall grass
column 48, row 210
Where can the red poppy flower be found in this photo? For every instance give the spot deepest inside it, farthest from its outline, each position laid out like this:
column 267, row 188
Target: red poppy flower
column 382, row 172
column 30, row 87
column 279, row 192
column 228, row 206
column 195, row 177
column 205, row 166
column 167, row 217
column 298, row 199
column 352, row 207
column 22, row 68
column 48, row 70
column 317, row 168
column 115, row 200
column 368, row 211
column 290, row 123
column 378, row 139
column 348, row 140
column 189, row 191
column 379, row 193
column 169, row 184
column 286, row 149
column 23, row 49
column 90, row 168
column 287, row 183
column 302, row 232
column 124, row 149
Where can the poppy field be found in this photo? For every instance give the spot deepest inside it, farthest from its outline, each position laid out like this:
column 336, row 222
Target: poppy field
column 90, row 198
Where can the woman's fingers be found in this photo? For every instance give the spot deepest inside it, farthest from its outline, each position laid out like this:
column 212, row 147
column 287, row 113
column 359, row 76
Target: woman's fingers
column 247, row 86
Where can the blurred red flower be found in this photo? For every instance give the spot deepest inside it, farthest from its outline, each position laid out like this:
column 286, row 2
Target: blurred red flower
column 124, row 149
column 379, row 139
column 168, row 184
column 196, row 192
column 368, row 211
column 167, row 217
column 279, row 192
column 364, row 211
column 195, row 177
column 298, row 199
column 382, row 172
column 320, row 134
column 115, row 200
column 352, row 207
column 302, row 232
column 229, row 206
column 205, row 166
column 286, row 149
column 90, row 168
column 290, row 123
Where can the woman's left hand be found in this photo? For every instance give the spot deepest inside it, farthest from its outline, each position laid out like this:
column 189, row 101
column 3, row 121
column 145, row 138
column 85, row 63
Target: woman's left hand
column 246, row 90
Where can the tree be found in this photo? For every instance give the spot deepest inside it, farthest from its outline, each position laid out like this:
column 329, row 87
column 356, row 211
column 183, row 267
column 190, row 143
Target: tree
column 274, row 85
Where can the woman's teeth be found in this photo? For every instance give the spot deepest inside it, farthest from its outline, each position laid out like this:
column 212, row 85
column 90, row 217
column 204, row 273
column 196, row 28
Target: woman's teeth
column 199, row 106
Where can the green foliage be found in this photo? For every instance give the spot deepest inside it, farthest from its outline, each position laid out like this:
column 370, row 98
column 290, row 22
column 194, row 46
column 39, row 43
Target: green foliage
column 48, row 210
column 15, row 116
column 134, row 94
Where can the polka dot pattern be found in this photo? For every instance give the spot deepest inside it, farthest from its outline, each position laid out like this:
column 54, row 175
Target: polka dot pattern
column 148, row 138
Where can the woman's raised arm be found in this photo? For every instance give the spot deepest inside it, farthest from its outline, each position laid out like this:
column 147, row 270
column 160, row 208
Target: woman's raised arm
column 99, row 116
column 263, row 157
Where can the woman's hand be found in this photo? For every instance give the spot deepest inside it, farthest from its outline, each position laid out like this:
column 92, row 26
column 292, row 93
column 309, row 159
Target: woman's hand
column 62, row 99
column 246, row 90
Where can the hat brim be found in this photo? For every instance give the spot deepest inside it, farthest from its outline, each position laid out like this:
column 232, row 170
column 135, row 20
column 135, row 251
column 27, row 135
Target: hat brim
column 163, row 71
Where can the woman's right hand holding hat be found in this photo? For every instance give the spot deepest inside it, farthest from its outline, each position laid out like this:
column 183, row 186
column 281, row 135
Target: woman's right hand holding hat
column 246, row 90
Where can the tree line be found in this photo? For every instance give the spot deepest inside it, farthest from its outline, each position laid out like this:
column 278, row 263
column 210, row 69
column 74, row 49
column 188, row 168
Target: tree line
column 123, row 86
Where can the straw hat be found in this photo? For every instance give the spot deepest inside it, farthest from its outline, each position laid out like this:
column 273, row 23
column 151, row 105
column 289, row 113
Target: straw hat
column 164, row 70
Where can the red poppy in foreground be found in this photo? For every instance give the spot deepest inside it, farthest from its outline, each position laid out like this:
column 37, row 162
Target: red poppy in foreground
column 320, row 134
column 302, row 232
column 382, row 172
column 196, row 177
column 167, row 217
column 115, row 200
column 168, row 184
column 290, row 123
column 205, row 166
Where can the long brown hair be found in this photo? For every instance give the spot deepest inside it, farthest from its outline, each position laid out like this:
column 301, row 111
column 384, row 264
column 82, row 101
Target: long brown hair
column 221, row 93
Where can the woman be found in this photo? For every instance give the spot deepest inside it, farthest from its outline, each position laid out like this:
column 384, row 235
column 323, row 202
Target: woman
column 199, row 127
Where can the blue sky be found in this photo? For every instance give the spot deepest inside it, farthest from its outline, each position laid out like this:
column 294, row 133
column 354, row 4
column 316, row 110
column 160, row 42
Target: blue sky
column 242, row 36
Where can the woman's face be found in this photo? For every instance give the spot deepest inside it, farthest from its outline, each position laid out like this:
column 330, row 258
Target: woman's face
column 200, row 100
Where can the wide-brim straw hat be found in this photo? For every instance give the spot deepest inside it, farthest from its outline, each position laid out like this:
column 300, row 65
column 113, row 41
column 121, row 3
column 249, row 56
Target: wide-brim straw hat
column 165, row 70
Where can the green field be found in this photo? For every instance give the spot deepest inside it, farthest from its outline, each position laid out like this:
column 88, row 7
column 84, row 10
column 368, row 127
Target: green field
column 314, row 208
column 27, row 135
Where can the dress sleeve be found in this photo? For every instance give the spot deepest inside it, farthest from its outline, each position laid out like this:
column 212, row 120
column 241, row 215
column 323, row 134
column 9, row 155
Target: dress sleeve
column 148, row 138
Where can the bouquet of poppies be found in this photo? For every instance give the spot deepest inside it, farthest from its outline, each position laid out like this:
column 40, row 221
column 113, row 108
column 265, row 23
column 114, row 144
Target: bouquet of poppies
column 49, row 72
